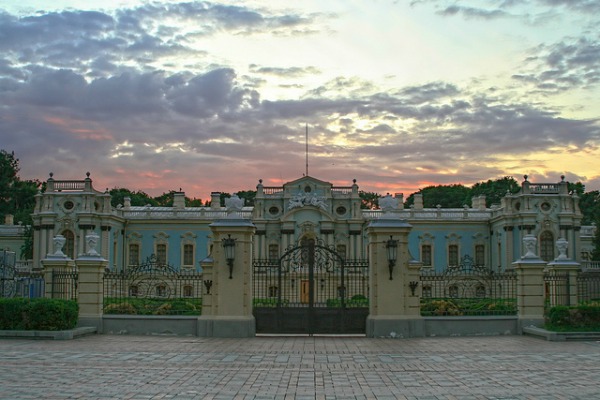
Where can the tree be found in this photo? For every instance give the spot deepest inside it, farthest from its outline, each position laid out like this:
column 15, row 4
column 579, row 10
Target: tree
column 17, row 197
column 368, row 200
column 494, row 190
column 447, row 196
column 589, row 204
column 139, row 198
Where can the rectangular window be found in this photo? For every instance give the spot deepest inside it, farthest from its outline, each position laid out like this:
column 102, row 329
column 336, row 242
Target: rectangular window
column 426, row 255
column 341, row 250
column 453, row 254
column 188, row 254
column 479, row 254
column 134, row 254
column 161, row 253
column 273, row 252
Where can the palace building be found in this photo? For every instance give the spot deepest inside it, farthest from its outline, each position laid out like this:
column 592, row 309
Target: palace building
column 309, row 209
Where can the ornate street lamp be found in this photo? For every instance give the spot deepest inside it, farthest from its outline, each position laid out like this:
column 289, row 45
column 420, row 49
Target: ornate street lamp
column 229, row 247
column 391, row 246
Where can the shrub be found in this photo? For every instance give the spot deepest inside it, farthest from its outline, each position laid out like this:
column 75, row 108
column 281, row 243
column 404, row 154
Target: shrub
column 38, row 314
column 582, row 317
column 152, row 306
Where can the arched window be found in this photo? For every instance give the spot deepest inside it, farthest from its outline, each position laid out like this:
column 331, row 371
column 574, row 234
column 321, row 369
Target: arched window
column 69, row 248
column 547, row 246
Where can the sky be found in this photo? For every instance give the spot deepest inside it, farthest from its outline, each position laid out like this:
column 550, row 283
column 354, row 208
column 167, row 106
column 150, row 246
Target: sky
column 213, row 96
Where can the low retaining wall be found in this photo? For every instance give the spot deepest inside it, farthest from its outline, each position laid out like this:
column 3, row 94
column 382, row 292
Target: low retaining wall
column 179, row 325
column 471, row 326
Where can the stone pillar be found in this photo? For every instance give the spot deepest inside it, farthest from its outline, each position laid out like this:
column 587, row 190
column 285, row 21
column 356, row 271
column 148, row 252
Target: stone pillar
column 530, row 285
column 394, row 309
column 91, row 267
column 563, row 266
column 228, row 312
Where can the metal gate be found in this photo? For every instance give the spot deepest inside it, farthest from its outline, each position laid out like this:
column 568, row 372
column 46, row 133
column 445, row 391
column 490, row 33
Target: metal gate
column 311, row 289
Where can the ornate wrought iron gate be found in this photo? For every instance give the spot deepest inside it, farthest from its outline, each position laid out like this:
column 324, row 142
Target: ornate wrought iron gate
column 311, row 289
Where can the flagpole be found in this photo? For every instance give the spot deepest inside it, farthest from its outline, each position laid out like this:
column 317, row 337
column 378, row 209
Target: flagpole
column 306, row 149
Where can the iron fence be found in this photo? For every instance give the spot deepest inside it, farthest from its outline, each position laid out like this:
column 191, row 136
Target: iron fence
column 64, row 284
column 467, row 290
column 557, row 289
column 588, row 287
column 16, row 282
column 154, row 288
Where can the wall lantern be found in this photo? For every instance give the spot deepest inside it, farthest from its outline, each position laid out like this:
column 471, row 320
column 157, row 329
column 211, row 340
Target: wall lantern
column 229, row 246
column 391, row 246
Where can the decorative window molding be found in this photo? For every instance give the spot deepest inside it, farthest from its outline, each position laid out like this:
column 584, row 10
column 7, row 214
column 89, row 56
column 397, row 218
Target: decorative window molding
column 161, row 247
column 188, row 250
column 426, row 249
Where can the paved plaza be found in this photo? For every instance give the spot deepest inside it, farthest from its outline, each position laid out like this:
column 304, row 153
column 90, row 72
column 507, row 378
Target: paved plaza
column 161, row 367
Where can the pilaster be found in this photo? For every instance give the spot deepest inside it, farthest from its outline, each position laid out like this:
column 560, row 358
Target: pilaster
column 228, row 312
column 394, row 308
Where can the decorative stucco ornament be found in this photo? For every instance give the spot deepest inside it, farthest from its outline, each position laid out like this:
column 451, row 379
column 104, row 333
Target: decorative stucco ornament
column 529, row 241
column 562, row 244
column 307, row 199
column 59, row 242
column 92, row 241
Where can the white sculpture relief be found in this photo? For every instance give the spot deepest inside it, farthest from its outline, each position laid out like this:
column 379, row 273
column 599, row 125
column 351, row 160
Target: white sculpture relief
column 529, row 241
column 388, row 203
column 92, row 242
column 307, row 199
column 562, row 244
column 234, row 204
column 59, row 243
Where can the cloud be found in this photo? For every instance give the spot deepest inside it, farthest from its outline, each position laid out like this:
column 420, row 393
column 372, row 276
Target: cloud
column 108, row 92
column 562, row 66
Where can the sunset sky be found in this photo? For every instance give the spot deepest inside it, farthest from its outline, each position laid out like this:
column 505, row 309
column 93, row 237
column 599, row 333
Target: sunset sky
column 213, row 96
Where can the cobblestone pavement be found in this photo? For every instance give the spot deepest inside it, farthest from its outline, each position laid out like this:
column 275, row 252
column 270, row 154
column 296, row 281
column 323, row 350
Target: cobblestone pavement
column 160, row 367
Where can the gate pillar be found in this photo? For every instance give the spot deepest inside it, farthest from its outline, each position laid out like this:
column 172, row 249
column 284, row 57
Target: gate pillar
column 530, row 285
column 91, row 267
column 394, row 309
column 228, row 310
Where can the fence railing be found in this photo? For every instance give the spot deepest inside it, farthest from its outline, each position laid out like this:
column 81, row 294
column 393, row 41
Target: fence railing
column 467, row 290
column 154, row 288
column 64, row 284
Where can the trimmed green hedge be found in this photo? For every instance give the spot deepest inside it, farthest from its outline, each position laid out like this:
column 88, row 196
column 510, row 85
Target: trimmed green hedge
column 269, row 302
column 150, row 306
column 38, row 314
column 585, row 317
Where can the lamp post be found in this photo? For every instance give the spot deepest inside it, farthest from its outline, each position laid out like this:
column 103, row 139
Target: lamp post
column 229, row 247
column 391, row 246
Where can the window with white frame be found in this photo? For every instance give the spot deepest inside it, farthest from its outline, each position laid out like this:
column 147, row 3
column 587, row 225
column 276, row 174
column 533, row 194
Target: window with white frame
column 273, row 252
column 134, row 254
column 453, row 254
column 479, row 254
column 426, row 255
column 161, row 253
column 188, row 255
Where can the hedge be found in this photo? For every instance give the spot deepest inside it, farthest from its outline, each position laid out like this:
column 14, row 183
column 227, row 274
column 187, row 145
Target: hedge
column 578, row 318
column 38, row 314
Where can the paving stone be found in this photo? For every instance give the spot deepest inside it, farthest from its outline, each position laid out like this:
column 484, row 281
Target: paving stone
column 329, row 368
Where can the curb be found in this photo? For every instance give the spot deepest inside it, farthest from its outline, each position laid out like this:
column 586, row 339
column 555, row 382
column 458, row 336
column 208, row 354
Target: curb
column 560, row 336
column 53, row 335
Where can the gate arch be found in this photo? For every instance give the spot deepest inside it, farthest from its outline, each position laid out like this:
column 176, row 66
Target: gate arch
column 310, row 289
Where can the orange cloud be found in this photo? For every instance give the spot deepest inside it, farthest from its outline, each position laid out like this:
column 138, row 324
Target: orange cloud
column 79, row 128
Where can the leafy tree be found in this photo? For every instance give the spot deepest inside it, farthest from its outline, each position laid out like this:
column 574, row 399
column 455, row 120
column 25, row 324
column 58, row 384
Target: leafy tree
column 494, row 190
column 139, row 198
column 447, row 196
column 368, row 200
column 248, row 196
column 589, row 204
column 165, row 199
column 17, row 197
